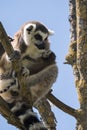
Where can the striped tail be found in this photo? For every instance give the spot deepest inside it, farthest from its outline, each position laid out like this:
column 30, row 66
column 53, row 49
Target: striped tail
column 26, row 115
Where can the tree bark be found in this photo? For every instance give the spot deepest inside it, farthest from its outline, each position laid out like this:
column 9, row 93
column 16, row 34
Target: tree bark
column 46, row 113
column 81, row 13
column 77, row 56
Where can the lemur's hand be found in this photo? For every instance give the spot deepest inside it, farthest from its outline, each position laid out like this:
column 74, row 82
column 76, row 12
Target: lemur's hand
column 25, row 72
column 15, row 55
column 46, row 53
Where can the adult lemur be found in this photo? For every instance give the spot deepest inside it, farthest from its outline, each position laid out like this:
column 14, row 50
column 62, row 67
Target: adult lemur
column 36, row 57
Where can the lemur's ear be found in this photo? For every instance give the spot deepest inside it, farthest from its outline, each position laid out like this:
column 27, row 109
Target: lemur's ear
column 51, row 32
column 30, row 28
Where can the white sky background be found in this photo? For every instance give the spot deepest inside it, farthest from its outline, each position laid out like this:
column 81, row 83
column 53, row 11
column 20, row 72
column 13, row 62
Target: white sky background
column 54, row 14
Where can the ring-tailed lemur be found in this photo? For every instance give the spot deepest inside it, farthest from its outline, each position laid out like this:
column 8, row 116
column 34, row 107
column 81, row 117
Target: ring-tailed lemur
column 32, row 42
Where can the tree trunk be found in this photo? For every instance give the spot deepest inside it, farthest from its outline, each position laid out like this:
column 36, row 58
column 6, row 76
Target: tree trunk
column 81, row 13
column 77, row 56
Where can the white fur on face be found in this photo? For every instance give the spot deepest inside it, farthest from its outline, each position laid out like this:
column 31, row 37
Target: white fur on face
column 30, row 39
column 27, row 37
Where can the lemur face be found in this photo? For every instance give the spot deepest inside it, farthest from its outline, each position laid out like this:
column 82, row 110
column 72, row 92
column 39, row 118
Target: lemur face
column 35, row 33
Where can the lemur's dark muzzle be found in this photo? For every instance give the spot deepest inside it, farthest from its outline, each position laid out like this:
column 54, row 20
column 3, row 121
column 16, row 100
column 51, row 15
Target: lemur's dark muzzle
column 41, row 45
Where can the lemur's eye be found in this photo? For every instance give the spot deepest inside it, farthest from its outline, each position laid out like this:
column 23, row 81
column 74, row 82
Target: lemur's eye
column 38, row 37
column 29, row 28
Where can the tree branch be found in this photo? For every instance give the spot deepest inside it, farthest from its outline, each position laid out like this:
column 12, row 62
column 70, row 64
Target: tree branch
column 4, row 109
column 47, row 115
column 69, row 110
column 11, row 118
column 9, row 49
column 14, row 55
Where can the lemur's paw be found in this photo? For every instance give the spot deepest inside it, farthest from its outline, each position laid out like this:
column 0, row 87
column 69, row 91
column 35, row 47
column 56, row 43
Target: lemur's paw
column 25, row 72
column 14, row 56
column 46, row 53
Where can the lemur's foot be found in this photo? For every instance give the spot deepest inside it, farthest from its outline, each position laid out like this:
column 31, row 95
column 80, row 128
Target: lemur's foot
column 25, row 72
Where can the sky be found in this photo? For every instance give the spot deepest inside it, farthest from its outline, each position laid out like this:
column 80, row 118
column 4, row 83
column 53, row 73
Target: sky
column 54, row 14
